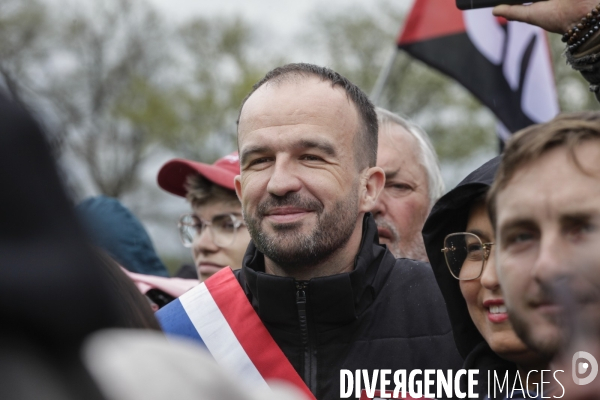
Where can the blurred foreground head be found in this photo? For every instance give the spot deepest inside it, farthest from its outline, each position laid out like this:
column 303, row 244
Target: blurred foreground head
column 56, row 293
column 52, row 292
column 545, row 204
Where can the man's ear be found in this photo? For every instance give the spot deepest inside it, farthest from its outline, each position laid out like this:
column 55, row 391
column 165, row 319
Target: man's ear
column 373, row 180
column 237, row 181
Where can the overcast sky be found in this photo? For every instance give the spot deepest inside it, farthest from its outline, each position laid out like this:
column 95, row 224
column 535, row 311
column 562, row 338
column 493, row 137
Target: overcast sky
column 282, row 16
column 279, row 20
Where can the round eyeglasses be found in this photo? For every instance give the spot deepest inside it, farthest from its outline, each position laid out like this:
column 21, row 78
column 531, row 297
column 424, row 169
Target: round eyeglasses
column 465, row 255
column 223, row 228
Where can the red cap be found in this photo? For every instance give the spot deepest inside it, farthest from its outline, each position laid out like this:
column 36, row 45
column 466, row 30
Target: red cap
column 172, row 176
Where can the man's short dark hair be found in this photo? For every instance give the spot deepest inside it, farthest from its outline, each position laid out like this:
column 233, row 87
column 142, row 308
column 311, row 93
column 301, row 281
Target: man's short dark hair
column 530, row 144
column 366, row 139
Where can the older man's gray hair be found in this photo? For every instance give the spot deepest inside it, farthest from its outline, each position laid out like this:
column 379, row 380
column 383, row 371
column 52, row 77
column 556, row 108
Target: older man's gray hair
column 428, row 156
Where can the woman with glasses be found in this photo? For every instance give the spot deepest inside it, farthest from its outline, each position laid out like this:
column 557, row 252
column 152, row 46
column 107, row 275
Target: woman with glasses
column 214, row 229
column 459, row 240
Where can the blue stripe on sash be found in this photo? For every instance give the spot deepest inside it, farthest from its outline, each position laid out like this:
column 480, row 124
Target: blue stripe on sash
column 175, row 321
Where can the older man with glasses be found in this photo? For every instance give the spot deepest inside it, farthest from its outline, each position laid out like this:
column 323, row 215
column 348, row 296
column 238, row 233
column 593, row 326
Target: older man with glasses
column 214, row 230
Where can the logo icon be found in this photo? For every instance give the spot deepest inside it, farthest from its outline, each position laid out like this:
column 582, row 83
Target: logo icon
column 581, row 367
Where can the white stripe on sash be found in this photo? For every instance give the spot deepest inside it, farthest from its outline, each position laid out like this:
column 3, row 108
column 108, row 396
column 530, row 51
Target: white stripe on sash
column 218, row 336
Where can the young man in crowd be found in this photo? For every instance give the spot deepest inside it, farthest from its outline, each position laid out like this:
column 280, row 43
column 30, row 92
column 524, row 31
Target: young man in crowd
column 413, row 183
column 214, row 230
column 319, row 293
column 545, row 204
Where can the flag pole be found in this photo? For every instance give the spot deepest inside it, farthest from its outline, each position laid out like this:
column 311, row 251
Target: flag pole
column 383, row 76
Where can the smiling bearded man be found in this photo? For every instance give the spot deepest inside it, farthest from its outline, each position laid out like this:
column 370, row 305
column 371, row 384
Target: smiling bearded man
column 332, row 231
column 316, row 293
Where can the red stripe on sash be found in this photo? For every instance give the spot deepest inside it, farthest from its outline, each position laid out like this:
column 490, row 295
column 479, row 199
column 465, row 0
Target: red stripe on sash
column 250, row 331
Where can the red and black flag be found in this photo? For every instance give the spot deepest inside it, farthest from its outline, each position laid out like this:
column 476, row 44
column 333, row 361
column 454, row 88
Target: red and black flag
column 506, row 65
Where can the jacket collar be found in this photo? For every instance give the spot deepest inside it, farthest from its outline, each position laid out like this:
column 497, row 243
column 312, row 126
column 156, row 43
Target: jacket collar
column 335, row 299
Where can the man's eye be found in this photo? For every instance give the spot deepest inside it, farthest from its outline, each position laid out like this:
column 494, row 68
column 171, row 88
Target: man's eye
column 400, row 187
column 517, row 238
column 576, row 231
column 257, row 161
column 310, row 157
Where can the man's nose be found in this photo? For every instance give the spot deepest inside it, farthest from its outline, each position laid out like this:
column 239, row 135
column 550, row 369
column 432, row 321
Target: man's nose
column 284, row 178
column 551, row 263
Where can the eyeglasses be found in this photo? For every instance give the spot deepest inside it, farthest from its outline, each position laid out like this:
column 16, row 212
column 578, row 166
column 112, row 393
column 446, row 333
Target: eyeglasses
column 223, row 229
column 465, row 255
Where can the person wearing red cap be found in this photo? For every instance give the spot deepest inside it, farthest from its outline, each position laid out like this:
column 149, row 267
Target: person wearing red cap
column 214, row 230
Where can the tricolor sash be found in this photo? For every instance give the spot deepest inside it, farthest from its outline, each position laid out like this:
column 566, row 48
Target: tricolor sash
column 217, row 314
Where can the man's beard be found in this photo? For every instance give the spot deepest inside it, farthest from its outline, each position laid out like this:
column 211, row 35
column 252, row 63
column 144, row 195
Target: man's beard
column 413, row 248
column 579, row 298
column 291, row 249
column 547, row 346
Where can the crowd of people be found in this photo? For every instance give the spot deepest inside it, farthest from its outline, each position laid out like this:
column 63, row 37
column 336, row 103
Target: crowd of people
column 324, row 244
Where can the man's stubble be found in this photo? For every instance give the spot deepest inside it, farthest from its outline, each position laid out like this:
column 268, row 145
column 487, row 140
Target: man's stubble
column 291, row 249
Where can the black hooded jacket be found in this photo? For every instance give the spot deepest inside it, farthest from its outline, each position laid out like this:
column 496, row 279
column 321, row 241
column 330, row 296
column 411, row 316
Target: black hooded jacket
column 449, row 215
column 386, row 313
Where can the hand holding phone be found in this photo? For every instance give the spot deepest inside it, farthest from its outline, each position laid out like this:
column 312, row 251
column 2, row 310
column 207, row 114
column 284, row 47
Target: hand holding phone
column 556, row 16
column 472, row 4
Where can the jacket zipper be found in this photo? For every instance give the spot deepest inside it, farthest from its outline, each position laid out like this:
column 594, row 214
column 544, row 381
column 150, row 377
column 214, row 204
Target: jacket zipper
column 310, row 364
